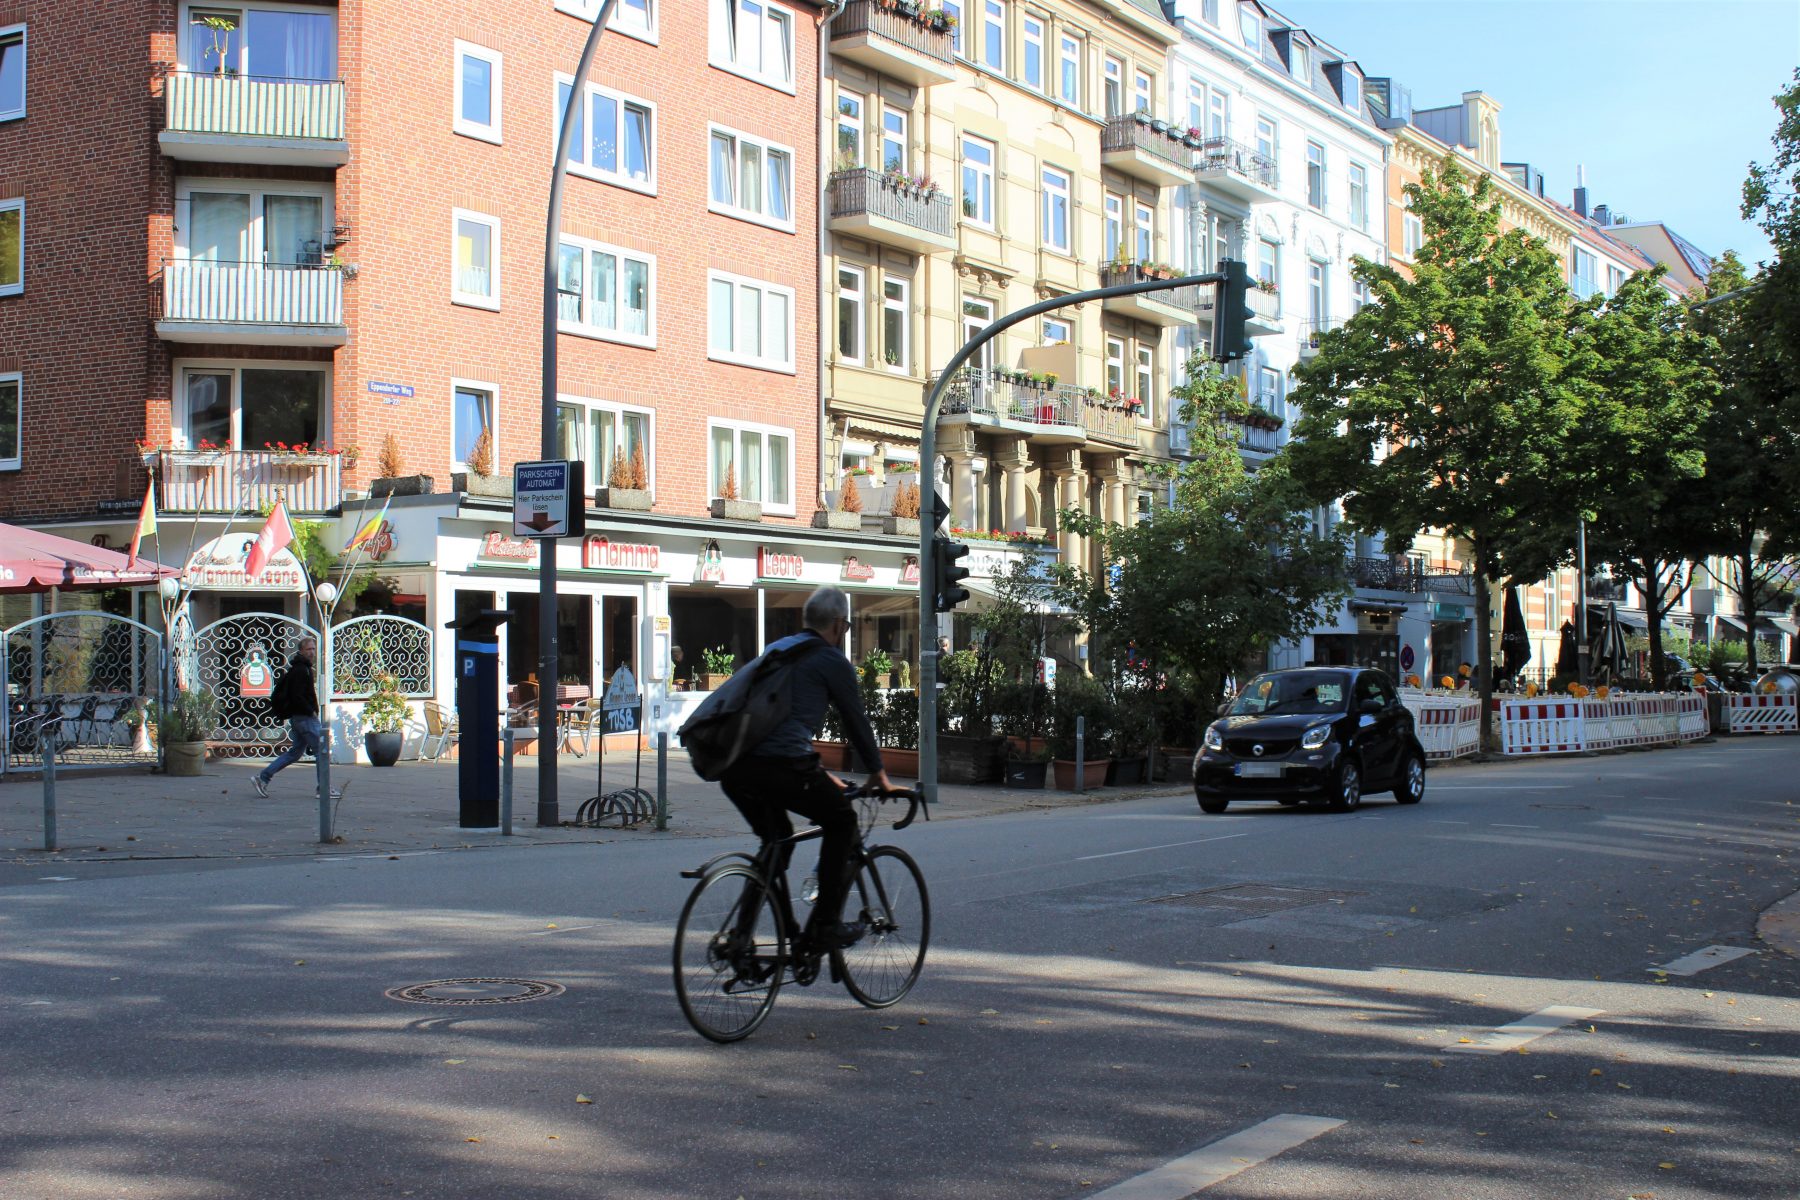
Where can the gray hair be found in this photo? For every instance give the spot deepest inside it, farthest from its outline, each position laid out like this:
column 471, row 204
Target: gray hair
column 827, row 604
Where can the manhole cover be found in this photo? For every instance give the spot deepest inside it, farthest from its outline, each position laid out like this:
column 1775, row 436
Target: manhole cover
column 1252, row 898
column 475, row 991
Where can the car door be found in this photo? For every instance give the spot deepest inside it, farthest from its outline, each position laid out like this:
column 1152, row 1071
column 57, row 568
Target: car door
column 1391, row 725
column 1374, row 730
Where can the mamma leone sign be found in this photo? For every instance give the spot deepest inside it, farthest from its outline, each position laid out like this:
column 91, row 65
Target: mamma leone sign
column 597, row 553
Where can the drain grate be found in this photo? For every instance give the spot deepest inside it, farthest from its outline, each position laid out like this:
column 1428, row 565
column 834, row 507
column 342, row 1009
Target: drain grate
column 463, row 992
column 1252, row 899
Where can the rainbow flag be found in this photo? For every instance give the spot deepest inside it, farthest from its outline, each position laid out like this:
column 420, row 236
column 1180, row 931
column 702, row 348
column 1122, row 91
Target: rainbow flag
column 146, row 525
column 368, row 531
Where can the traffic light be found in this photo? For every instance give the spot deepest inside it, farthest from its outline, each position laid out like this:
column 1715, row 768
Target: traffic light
column 1229, row 339
column 946, row 555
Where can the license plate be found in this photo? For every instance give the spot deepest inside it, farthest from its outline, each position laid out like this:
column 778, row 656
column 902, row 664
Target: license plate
column 1259, row 770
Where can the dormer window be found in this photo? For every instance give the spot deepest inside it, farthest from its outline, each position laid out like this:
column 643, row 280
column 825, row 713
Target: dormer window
column 1352, row 92
column 1302, row 62
column 1250, row 26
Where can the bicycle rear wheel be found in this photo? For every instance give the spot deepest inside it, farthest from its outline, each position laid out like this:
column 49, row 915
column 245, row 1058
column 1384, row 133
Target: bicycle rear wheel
column 894, row 905
column 729, row 959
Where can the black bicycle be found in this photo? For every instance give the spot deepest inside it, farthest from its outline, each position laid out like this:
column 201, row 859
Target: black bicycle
column 734, row 946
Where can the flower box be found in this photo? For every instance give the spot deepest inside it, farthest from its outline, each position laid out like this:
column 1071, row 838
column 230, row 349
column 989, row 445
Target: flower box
column 1093, row 774
column 481, row 485
column 623, row 499
column 972, row 759
column 851, row 521
column 1026, row 773
column 735, row 510
column 833, row 756
column 402, row 485
column 900, row 526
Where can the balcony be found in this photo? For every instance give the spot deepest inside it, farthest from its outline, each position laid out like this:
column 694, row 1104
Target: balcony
column 1237, row 170
column 868, row 204
column 1134, row 145
column 1387, row 574
column 882, row 38
column 254, row 119
column 254, row 304
column 1116, row 426
column 1309, row 335
column 1447, row 579
column 1584, row 288
column 1265, row 313
column 1052, row 415
column 234, row 481
column 1181, row 438
column 1174, row 306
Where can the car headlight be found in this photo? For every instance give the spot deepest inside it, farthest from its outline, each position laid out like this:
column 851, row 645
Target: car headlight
column 1315, row 737
column 1213, row 740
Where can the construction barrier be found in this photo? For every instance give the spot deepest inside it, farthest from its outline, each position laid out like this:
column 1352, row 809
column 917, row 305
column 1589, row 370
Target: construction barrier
column 1760, row 713
column 1448, row 725
column 1571, row 726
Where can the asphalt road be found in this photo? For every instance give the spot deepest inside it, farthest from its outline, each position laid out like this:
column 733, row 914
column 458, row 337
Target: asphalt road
column 1094, row 1019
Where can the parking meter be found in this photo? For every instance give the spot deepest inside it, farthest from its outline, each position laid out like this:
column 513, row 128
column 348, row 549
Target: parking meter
column 478, row 717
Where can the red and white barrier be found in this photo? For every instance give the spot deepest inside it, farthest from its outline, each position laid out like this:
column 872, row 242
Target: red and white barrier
column 1571, row 726
column 1692, row 721
column 1760, row 713
column 1448, row 726
column 1543, row 727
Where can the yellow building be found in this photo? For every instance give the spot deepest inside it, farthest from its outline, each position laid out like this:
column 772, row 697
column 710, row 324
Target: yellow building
column 981, row 164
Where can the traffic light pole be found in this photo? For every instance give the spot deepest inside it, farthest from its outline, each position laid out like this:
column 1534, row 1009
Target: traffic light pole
column 928, row 582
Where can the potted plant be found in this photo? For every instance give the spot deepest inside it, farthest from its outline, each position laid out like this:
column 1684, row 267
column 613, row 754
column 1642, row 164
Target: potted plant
column 727, row 507
column 877, row 668
column 968, row 749
column 384, row 719
column 181, row 726
column 1027, row 766
column 903, row 517
column 1133, row 734
column 479, row 479
column 627, row 483
column 392, row 479
column 849, row 510
column 1078, row 704
column 717, row 666
column 831, row 744
column 895, row 719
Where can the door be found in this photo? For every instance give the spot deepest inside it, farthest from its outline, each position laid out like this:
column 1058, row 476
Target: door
column 618, row 638
column 1378, row 733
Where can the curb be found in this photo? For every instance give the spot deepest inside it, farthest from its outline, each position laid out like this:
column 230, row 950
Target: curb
column 1779, row 925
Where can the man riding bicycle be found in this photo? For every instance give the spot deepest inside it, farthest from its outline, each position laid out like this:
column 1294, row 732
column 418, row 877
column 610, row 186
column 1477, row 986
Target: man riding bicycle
column 783, row 774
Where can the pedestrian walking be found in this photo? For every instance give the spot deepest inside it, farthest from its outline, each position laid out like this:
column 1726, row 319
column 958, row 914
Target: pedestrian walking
column 295, row 700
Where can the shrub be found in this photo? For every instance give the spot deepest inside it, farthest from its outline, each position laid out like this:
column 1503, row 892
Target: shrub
column 728, row 489
column 481, row 454
column 385, row 710
column 718, row 662
column 850, row 500
column 187, row 718
column 620, row 475
column 391, row 465
column 906, row 501
column 640, row 474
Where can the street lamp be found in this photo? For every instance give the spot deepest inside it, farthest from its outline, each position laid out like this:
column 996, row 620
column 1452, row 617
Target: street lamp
column 326, row 593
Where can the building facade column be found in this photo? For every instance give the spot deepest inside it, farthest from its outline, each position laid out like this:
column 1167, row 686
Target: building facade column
column 1013, row 459
column 1071, row 492
column 959, row 447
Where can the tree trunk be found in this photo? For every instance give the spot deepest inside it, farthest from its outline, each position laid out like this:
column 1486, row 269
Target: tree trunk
column 1652, row 573
column 1484, row 655
column 1747, row 598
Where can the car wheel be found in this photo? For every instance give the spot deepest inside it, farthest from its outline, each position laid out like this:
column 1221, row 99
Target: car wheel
column 1348, row 796
column 1210, row 804
column 1411, row 788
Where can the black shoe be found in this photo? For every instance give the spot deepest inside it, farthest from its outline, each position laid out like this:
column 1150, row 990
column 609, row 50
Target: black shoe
column 835, row 937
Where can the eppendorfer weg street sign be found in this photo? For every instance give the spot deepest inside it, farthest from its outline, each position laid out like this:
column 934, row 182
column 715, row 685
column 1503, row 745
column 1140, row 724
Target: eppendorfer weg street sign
column 549, row 500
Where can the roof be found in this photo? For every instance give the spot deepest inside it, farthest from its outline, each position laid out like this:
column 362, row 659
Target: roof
column 1698, row 261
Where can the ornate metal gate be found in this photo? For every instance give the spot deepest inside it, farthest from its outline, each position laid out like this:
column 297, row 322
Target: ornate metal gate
column 238, row 659
column 81, row 683
column 366, row 647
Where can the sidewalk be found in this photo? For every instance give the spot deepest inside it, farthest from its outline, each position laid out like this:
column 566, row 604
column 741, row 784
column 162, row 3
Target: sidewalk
column 385, row 810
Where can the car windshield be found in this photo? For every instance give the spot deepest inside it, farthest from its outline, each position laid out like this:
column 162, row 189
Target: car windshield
column 1299, row 692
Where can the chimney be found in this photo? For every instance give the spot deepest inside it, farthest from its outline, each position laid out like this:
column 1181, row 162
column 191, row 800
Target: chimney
column 1581, row 201
column 1602, row 215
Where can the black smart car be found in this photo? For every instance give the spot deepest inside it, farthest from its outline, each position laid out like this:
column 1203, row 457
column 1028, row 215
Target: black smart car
column 1322, row 734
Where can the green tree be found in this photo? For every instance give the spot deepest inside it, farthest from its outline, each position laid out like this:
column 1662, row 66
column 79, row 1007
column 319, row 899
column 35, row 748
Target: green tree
column 322, row 562
column 1449, row 401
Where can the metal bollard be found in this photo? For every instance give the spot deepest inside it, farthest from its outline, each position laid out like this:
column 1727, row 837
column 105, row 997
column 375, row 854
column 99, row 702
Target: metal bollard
column 662, row 780
column 50, row 796
column 1081, row 754
column 506, row 770
column 323, row 766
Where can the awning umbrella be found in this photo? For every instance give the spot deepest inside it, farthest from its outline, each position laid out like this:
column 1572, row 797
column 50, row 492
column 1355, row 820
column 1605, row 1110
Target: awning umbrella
column 1606, row 642
column 1515, row 643
column 1567, row 653
column 33, row 561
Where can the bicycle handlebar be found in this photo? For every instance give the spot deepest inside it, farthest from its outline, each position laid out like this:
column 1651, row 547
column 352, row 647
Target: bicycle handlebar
column 912, row 797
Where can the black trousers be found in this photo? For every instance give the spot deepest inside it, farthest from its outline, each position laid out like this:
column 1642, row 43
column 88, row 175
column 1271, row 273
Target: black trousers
column 765, row 790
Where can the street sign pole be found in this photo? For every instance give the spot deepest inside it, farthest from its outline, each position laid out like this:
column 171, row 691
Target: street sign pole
column 928, row 652
column 548, row 813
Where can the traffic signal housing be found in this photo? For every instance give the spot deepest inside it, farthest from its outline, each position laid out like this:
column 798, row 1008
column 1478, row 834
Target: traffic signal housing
column 948, row 573
column 1230, row 342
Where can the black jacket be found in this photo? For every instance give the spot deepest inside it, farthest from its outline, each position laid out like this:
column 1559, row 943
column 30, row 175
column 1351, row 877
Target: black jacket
column 295, row 694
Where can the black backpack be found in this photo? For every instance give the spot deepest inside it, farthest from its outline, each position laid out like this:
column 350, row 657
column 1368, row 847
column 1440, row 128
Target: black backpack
column 754, row 701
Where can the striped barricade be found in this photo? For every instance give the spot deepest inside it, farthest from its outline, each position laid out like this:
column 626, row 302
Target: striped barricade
column 1543, row 727
column 1761, row 713
column 1691, row 720
column 1448, row 726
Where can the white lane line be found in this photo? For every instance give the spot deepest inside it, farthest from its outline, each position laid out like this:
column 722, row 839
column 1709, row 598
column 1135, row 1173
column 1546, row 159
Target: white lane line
column 1501, row 825
column 1446, row 821
column 1673, row 837
column 1165, row 846
column 1501, row 787
column 563, row 929
column 1220, row 1161
column 1702, row 960
column 1527, row 1029
column 56, row 878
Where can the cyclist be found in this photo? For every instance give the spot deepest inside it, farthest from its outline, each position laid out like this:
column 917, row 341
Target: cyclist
column 783, row 774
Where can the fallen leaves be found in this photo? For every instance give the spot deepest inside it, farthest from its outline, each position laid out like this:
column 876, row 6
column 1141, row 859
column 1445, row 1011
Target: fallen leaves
column 582, row 1099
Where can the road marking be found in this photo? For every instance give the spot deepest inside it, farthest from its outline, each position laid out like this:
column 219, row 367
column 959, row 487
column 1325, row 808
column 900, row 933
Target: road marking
column 1527, row 1029
column 1220, row 1161
column 563, row 929
column 1673, row 837
column 1500, row 825
column 1702, row 960
column 1501, row 787
column 1446, row 821
column 1165, row 846
column 56, row 879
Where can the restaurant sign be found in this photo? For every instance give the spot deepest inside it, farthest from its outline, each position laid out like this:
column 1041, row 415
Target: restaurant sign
column 603, row 554
column 219, row 566
column 909, row 570
column 856, row 571
column 773, row 564
column 497, row 547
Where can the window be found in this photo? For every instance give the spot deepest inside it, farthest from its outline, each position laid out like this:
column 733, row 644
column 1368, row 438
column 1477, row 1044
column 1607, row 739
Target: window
column 1069, row 87
column 477, row 263
column 761, row 457
column 1218, row 114
column 613, row 136
column 1359, row 196
column 1413, row 236
column 893, row 140
column 1055, row 230
column 978, row 181
column 978, row 314
column 595, row 432
column 1146, row 382
column 752, row 179
column 12, row 387
column 1359, row 297
column 1032, row 69
column 1115, row 366
column 1143, row 92
column 241, row 223
column 12, row 247
column 1209, row 11
column 1114, row 75
column 959, row 35
column 247, row 407
column 634, row 17
column 849, row 131
column 472, row 412
column 1250, row 27
column 1268, row 394
column 850, row 312
column 604, row 291
column 1582, row 273
column 1615, row 277
column 12, row 107
column 1302, row 57
column 1196, row 112
column 1265, row 138
column 1268, row 261
column 993, row 35
column 477, row 92
column 1316, row 307
column 896, row 340
column 273, row 42
column 1056, row 331
column 1352, row 91
column 1315, row 175
column 751, row 323
column 1115, row 245
column 1144, row 225
column 755, row 39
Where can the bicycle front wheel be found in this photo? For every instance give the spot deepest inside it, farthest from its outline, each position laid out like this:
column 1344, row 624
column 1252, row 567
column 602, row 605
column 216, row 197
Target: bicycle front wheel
column 730, row 951
column 896, row 909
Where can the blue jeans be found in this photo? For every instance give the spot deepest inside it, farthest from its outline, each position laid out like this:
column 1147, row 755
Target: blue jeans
column 306, row 734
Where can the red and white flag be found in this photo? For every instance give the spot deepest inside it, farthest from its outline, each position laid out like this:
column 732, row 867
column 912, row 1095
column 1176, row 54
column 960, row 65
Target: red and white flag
column 276, row 534
column 146, row 525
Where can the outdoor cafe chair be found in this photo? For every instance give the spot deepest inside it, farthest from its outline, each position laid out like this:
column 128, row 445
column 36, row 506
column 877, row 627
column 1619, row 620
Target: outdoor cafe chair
column 441, row 732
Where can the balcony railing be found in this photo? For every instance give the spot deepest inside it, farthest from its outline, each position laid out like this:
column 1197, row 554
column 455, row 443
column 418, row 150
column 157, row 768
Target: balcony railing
column 229, row 481
column 879, row 36
column 1584, row 287
column 985, row 393
column 1235, row 165
column 1182, row 305
column 1310, row 331
column 1115, row 425
column 1448, row 579
column 1147, row 148
column 309, row 113
column 887, row 209
column 1387, row 574
column 251, row 293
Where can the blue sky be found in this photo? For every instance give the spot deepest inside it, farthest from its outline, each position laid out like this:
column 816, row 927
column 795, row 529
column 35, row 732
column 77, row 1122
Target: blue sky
column 1665, row 103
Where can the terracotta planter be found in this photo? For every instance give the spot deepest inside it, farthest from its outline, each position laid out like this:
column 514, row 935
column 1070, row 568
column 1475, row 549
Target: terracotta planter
column 735, row 510
column 1093, row 774
column 833, row 756
column 848, row 521
column 384, row 748
column 402, row 485
column 1021, row 773
column 900, row 763
column 714, row 682
column 970, row 759
column 481, row 485
column 623, row 499
column 183, row 758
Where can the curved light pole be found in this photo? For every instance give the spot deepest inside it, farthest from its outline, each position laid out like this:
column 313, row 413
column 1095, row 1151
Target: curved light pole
column 928, row 653
column 548, row 810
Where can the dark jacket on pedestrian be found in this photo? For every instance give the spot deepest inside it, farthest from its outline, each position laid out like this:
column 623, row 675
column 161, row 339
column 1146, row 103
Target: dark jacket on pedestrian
column 295, row 694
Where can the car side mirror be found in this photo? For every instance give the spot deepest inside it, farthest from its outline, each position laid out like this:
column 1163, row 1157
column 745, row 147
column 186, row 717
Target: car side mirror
column 1371, row 706
column 1224, row 707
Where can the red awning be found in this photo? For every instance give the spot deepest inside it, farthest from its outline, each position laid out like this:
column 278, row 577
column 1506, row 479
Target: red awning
column 32, row 561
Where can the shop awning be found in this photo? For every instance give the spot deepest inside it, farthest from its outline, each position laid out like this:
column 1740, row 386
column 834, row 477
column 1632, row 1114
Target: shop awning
column 34, row 561
column 1632, row 620
column 1733, row 622
column 984, row 588
column 1377, row 606
column 1781, row 625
